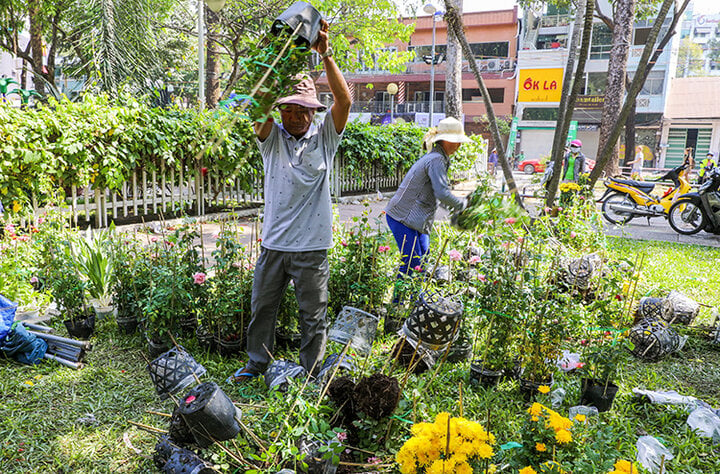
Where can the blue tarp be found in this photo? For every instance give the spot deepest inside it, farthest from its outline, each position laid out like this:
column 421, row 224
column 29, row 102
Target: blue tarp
column 23, row 346
column 7, row 315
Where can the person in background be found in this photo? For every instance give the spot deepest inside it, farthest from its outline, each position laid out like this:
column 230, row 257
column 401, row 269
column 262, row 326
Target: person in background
column 297, row 225
column 411, row 211
column 574, row 163
column 689, row 162
column 705, row 165
column 492, row 161
column 637, row 164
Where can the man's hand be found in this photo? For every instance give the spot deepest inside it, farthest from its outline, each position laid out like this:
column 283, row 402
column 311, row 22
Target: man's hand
column 321, row 45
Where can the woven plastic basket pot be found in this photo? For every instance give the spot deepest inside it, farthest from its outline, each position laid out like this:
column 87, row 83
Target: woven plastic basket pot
column 174, row 371
column 683, row 310
column 280, row 372
column 413, row 355
column 210, row 414
column 332, row 362
column 433, row 321
column 356, row 327
column 653, row 338
column 579, row 271
column 654, row 308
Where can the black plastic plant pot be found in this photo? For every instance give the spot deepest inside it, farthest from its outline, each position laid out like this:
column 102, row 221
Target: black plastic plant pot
column 229, row 348
column 287, row 340
column 127, row 324
column 210, row 414
column 81, row 328
column 596, row 394
column 156, row 348
column 300, row 14
column 173, row 371
column 205, row 338
column 529, row 388
column 188, row 324
column 183, row 461
column 460, row 351
column 483, row 377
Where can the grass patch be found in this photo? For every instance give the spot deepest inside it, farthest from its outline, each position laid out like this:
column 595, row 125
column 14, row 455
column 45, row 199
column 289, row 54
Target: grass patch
column 41, row 407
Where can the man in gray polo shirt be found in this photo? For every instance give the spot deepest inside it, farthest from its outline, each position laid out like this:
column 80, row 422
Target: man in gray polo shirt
column 297, row 226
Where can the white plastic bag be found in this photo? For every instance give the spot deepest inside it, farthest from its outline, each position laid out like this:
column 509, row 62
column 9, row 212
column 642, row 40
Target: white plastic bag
column 569, row 361
column 557, row 396
column 651, row 454
column 582, row 410
column 706, row 423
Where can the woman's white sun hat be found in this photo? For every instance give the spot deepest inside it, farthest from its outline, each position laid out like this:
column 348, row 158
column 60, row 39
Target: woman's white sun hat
column 450, row 130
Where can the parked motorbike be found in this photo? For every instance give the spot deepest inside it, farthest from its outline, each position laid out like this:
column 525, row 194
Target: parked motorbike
column 693, row 212
column 626, row 199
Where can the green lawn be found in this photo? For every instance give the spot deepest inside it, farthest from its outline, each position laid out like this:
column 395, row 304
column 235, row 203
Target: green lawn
column 41, row 407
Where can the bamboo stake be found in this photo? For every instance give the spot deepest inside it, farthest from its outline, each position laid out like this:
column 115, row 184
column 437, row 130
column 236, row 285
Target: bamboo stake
column 150, row 429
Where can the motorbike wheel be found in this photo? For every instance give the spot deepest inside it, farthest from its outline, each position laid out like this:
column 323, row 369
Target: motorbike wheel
column 686, row 218
column 617, row 217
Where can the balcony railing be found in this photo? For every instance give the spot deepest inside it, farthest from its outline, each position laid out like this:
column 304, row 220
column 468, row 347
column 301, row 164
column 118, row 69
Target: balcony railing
column 486, row 65
column 379, row 107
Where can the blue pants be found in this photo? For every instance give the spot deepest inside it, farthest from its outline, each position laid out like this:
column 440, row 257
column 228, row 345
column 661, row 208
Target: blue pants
column 413, row 245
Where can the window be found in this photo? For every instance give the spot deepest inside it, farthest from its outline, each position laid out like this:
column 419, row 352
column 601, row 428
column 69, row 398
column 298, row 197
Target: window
column 421, row 51
column 600, row 42
column 552, row 41
column 653, row 84
column 497, row 95
column 497, row 49
column 539, row 113
column 596, row 83
column 641, row 35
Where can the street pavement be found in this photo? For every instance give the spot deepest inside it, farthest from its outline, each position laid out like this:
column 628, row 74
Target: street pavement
column 348, row 208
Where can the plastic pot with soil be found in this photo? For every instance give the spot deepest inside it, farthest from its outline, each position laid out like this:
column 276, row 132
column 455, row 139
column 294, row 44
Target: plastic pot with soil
column 81, row 326
column 483, row 377
column 529, row 388
column 127, row 324
column 598, row 394
column 230, row 344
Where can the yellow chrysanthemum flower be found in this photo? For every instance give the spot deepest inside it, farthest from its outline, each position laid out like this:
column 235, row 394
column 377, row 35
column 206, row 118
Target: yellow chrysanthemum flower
column 535, row 409
column 485, row 451
column 580, row 418
column 492, row 469
column 527, row 470
column 563, row 436
column 543, row 389
column 540, row 447
column 626, row 467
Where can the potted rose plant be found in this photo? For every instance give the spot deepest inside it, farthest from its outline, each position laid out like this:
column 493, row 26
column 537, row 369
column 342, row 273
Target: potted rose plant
column 69, row 293
column 602, row 356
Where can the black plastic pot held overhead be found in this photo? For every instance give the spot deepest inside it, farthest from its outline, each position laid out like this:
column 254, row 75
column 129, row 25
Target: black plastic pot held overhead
column 303, row 14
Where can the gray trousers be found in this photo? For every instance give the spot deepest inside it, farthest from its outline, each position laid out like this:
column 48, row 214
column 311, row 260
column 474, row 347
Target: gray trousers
column 309, row 272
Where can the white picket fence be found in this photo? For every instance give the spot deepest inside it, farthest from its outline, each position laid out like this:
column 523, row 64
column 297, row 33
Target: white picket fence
column 149, row 195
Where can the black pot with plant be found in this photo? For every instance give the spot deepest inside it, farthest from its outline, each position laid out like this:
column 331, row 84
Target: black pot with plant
column 69, row 292
column 604, row 352
column 597, row 393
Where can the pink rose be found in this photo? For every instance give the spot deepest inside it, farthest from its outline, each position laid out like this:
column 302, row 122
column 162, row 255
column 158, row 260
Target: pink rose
column 510, row 220
column 474, row 259
column 198, row 278
column 24, row 238
column 417, row 268
column 343, row 243
column 505, row 245
column 153, row 239
column 482, row 277
column 374, row 460
column 520, row 239
column 546, row 210
column 41, row 220
column 342, row 436
column 455, row 255
column 34, row 279
column 573, row 235
column 383, row 248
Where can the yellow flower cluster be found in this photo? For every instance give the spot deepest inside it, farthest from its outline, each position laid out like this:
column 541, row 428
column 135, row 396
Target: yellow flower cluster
column 624, row 467
column 553, row 420
column 430, row 451
column 569, row 186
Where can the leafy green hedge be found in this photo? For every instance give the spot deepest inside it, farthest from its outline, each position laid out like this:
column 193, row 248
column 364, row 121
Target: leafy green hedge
column 48, row 149
column 61, row 144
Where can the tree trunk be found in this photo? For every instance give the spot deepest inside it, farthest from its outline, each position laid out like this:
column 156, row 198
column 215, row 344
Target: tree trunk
column 630, row 135
column 630, row 122
column 635, row 87
column 455, row 27
column 622, row 36
column 35, row 20
column 572, row 84
column 453, row 77
column 212, row 63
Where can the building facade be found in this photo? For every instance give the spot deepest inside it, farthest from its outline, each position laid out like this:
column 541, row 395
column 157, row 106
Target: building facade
column 704, row 31
column 542, row 59
column 493, row 39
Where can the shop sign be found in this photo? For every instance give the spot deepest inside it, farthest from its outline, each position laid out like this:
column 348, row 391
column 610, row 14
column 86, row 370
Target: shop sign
column 540, row 85
column 589, row 102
